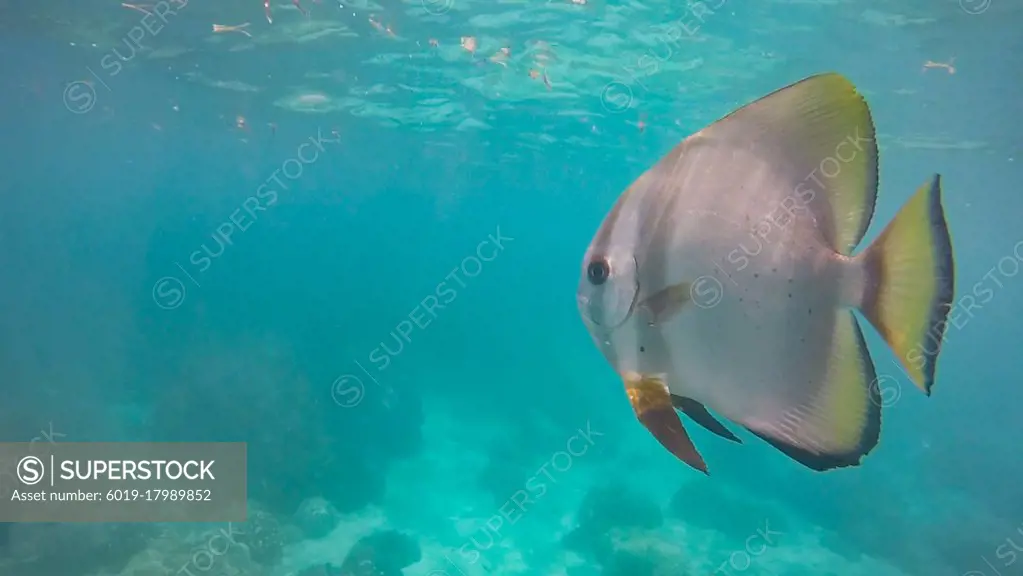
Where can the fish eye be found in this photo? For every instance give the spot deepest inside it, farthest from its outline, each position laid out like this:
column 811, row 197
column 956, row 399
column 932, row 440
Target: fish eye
column 598, row 271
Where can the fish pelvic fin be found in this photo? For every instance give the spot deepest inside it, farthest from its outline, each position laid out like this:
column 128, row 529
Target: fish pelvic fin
column 651, row 401
column 841, row 422
column 699, row 414
column 910, row 283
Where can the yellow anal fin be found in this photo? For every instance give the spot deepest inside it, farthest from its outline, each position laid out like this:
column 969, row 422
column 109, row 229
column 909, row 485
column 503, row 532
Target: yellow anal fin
column 651, row 401
column 840, row 421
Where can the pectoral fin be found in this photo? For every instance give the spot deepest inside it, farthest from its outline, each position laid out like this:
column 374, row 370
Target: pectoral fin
column 668, row 302
column 651, row 401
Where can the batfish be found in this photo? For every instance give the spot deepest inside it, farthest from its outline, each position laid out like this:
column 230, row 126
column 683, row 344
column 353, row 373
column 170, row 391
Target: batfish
column 726, row 280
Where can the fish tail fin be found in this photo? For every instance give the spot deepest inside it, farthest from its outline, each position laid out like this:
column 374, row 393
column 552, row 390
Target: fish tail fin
column 910, row 282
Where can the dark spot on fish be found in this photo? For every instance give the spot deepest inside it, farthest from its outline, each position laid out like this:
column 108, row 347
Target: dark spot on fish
column 642, row 349
column 775, row 270
column 809, row 311
column 790, row 280
column 790, row 294
column 756, row 275
column 740, row 298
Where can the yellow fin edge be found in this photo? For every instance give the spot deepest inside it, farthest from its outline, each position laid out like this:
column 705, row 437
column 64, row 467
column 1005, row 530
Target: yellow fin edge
column 910, row 273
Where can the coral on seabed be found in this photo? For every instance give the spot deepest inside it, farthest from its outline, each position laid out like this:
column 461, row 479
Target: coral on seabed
column 72, row 548
column 262, row 534
column 604, row 508
column 381, row 553
column 179, row 552
column 316, row 517
column 387, row 552
column 612, row 525
column 300, row 441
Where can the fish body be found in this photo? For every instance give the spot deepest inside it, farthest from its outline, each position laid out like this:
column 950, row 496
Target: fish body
column 724, row 278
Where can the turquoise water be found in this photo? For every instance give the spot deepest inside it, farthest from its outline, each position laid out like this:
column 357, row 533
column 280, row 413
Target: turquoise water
column 352, row 240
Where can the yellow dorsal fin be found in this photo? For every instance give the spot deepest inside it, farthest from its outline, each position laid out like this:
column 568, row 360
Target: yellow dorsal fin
column 818, row 135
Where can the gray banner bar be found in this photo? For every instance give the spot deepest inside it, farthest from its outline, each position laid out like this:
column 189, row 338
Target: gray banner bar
column 122, row 482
